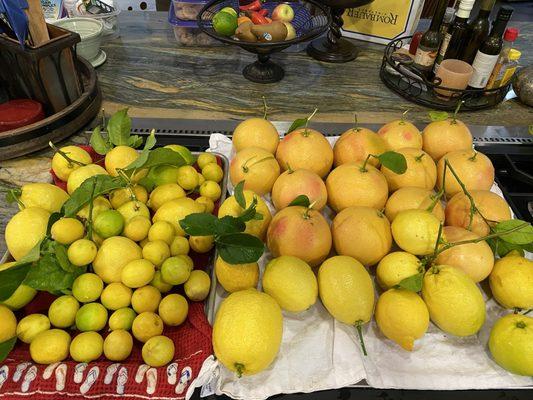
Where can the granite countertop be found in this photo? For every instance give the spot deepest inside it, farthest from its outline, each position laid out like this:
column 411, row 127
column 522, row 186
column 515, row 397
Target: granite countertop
column 149, row 73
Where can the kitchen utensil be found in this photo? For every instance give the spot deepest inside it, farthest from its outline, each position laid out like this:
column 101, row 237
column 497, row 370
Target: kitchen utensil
column 37, row 24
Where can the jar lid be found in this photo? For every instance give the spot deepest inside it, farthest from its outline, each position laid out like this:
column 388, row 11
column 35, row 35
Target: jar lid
column 514, row 54
column 20, row 112
column 510, row 34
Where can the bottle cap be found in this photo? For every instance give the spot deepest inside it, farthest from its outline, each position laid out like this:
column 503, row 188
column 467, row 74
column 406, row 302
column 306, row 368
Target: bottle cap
column 448, row 15
column 510, row 34
column 504, row 13
column 514, row 54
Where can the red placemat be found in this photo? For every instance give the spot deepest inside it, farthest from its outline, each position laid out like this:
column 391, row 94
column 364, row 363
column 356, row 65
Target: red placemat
column 21, row 378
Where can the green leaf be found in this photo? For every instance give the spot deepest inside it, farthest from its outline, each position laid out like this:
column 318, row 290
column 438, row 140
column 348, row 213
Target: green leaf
column 156, row 157
column 301, row 200
column 13, row 195
column 47, row 275
column 98, row 142
column 528, row 247
column 239, row 195
column 119, row 128
column 143, row 157
column 435, row 116
column 147, row 182
column 34, row 254
column 6, row 347
column 199, row 224
column 11, row 278
column 530, row 129
column 298, row 123
column 251, row 212
column 412, row 283
column 52, row 220
column 62, row 258
column 521, row 237
column 239, row 248
column 135, row 141
column 82, row 195
column 394, row 161
column 503, row 248
column 230, row 224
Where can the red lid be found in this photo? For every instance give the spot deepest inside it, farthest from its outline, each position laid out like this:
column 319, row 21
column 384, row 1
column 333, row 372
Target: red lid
column 510, row 34
column 19, row 112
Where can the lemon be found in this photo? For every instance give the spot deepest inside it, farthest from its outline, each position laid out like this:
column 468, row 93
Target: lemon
column 256, row 132
column 402, row 316
column 197, row 286
column 137, row 228
column 31, row 325
column 20, row 297
column 187, row 259
column 62, row 312
column 121, row 196
column 175, row 270
column 108, row 223
column 511, row 282
column 91, row 317
column 137, row 273
column 235, row 277
column 207, row 203
column 175, row 210
column 143, row 242
column 173, row 309
column 291, row 282
column 113, row 254
column 179, row 245
column 156, row 252
column 115, row 296
column 161, row 194
column 43, row 195
column 50, row 346
column 211, row 190
column 63, row 167
column 146, row 298
column 183, row 151
column 86, row 347
column 201, row 180
column 247, row 331
column 119, row 157
column 206, row 158
column 158, row 351
column 146, row 325
column 346, row 289
column 187, row 177
column 395, row 267
column 201, row 244
column 67, row 230
column 82, row 252
column 122, row 319
column 212, row 172
column 454, row 301
column 87, row 287
column 164, row 174
column 160, row 284
column 161, row 230
column 81, row 174
column 118, row 345
column 132, row 209
column 25, row 230
column 9, row 324
column 511, row 343
column 100, row 204
column 415, row 231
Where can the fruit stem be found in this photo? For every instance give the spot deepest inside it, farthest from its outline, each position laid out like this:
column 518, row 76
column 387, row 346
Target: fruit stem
column 355, row 123
column 289, row 169
column 473, row 158
column 71, row 162
column 103, row 117
column 419, row 158
column 359, row 325
column 527, row 312
column 15, row 194
column 240, row 369
column 261, row 160
column 402, row 120
column 521, row 325
column 309, row 208
column 245, row 165
column 307, row 121
column 454, row 116
column 90, row 219
column 363, row 167
column 440, row 193
column 265, row 107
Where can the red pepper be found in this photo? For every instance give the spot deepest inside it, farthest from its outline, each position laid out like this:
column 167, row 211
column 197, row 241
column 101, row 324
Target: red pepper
column 263, row 12
column 258, row 19
column 253, row 6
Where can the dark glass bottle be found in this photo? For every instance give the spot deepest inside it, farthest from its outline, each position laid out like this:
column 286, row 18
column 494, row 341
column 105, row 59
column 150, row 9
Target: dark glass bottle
column 428, row 47
column 490, row 49
column 457, row 34
column 479, row 29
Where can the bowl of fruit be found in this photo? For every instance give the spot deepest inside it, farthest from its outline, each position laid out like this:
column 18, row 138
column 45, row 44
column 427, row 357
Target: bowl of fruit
column 264, row 27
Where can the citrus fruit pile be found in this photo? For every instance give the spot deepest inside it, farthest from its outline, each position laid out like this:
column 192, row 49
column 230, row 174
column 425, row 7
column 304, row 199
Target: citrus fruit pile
column 110, row 248
column 410, row 210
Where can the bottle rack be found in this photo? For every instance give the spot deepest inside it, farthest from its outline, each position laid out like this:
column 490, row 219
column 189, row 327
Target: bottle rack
column 408, row 82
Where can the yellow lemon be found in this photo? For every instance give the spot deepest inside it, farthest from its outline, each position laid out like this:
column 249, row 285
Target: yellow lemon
column 146, row 325
column 100, row 204
column 91, row 317
column 67, row 230
column 80, row 175
column 62, row 167
column 212, row 172
column 137, row 273
column 82, row 252
column 211, row 190
column 158, row 351
column 256, row 132
column 146, row 298
column 205, row 158
column 119, row 197
column 9, row 324
column 161, row 194
column 156, row 252
column 31, row 325
column 87, row 287
column 161, row 230
column 201, row 244
column 235, row 277
column 114, row 253
column 187, row 177
column 132, row 209
column 160, row 284
column 175, row 210
column 119, row 157
column 118, row 345
column 511, row 282
column 415, row 231
column 86, row 347
column 395, row 267
column 62, row 312
column 116, row 296
column 43, row 195
column 122, row 319
column 137, row 228
column 197, row 286
column 179, row 245
column 206, row 202
column 176, row 270
column 173, row 309
column 50, row 346
column 25, row 230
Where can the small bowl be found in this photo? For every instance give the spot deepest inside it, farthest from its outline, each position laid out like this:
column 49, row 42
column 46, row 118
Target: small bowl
column 90, row 31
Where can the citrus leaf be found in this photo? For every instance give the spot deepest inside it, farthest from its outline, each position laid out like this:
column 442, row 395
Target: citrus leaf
column 135, row 141
column 119, row 128
column 60, row 252
column 251, row 212
column 143, row 157
column 239, row 195
column 230, row 224
column 47, row 275
column 435, row 116
column 412, row 283
column 239, row 248
column 6, row 347
column 11, row 278
column 159, row 156
column 301, row 200
column 298, row 123
column 521, row 236
column 52, row 220
column 99, row 143
column 503, row 248
column 199, row 224
column 13, row 195
column 394, row 161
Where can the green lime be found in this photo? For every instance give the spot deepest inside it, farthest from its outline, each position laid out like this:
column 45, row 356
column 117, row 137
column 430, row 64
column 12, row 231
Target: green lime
column 175, row 270
column 122, row 319
column 109, row 223
column 182, row 150
column 91, row 317
column 224, row 23
column 163, row 174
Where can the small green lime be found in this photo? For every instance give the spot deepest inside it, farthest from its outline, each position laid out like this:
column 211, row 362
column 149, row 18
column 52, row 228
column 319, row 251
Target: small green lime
column 164, row 174
column 224, row 23
column 122, row 319
column 91, row 317
column 109, row 223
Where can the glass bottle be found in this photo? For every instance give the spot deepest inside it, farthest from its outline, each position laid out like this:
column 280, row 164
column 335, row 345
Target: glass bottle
column 479, row 29
column 509, row 38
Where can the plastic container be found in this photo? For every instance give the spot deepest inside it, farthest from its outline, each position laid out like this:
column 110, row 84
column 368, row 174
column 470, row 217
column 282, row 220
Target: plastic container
column 21, row 112
column 187, row 10
column 187, row 33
